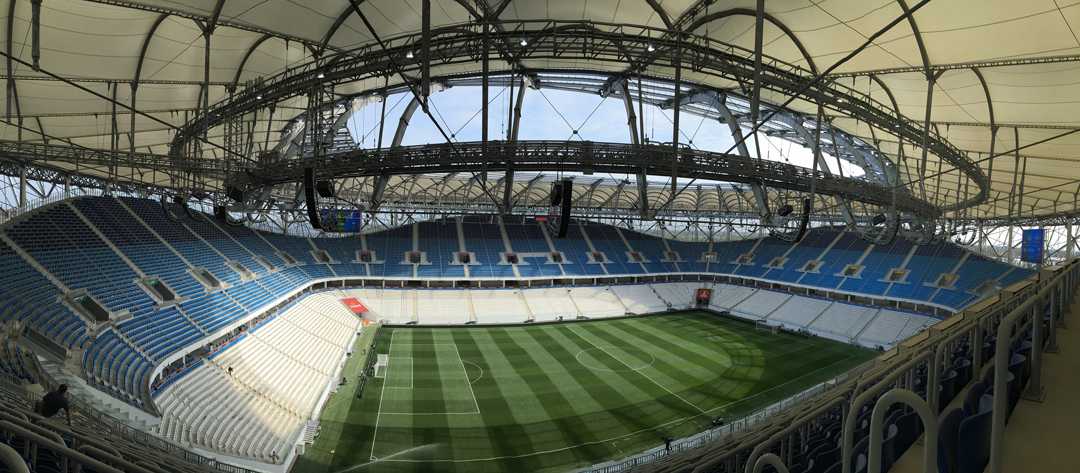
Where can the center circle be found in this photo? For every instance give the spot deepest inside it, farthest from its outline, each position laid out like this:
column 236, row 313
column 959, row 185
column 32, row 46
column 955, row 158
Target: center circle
column 626, row 359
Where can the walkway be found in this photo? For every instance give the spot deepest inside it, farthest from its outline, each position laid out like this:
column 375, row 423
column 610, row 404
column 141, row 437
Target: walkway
column 1040, row 436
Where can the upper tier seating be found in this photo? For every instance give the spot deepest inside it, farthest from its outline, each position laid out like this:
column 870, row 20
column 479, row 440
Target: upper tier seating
column 105, row 245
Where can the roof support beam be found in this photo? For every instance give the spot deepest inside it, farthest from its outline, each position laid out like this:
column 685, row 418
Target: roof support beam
column 35, row 33
column 344, row 15
column 524, row 193
column 514, row 127
column 403, row 122
column 483, row 13
column 587, row 196
column 12, row 96
column 993, row 122
column 137, row 77
column 675, row 112
column 664, row 17
column 416, row 94
column 247, row 55
column 679, row 25
column 1010, row 62
column 767, row 17
column 426, row 56
column 206, row 20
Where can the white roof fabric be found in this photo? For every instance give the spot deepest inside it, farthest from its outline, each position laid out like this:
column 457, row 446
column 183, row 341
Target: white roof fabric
column 1027, row 52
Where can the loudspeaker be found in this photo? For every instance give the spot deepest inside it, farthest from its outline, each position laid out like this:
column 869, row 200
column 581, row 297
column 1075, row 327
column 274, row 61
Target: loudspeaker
column 234, row 193
column 567, row 197
column 325, row 188
column 556, row 193
column 785, row 210
column 309, row 197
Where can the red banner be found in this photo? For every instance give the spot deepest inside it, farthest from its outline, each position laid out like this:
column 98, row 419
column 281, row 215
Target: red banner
column 354, row 305
column 703, row 296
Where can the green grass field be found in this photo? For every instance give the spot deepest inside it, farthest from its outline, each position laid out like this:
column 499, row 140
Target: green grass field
column 560, row 396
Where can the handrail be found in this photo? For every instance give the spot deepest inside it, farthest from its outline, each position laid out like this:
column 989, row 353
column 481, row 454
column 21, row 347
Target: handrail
column 759, row 450
column 11, row 460
column 8, row 215
column 929, row 420
column 848, row 440
column 1001, row 359
column 139, row 437
column 888, row 368
column 770, row 459
column 104, row 456
column 972, row 329
column 59, row 448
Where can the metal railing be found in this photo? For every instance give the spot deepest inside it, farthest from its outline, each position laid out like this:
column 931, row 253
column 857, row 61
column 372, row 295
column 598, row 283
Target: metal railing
column 1056, row 293
column 111, row 426
column 9, row 214
column 742, row 425
column 1016, row 313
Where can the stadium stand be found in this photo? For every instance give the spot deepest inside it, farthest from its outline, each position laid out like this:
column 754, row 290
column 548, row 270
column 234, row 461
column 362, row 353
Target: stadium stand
column 224, row 276
column 252, row 398
column 761, row 304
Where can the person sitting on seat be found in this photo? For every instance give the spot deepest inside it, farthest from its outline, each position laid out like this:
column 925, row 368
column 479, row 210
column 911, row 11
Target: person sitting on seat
column 54, row 401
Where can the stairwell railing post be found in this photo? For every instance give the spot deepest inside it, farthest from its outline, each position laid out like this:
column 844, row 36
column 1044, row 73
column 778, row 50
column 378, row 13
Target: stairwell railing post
column 1034, row 391
column 1002, row 353
column 1057, row 311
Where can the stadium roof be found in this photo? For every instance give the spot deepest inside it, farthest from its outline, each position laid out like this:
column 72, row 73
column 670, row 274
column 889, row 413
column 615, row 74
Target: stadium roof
column 1002, row 70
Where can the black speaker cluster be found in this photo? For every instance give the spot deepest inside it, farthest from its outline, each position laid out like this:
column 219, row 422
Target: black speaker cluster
column 562, row 194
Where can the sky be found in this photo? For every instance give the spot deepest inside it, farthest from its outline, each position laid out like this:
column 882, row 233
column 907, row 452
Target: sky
column 549, row 114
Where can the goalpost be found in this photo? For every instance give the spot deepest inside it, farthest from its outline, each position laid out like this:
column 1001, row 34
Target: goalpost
column 764, row 326
column 382, row 363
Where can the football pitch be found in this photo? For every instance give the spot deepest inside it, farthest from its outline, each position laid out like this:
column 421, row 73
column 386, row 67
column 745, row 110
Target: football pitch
column 558, row 397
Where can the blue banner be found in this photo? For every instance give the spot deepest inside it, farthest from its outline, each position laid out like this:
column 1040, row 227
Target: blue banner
column 1031, row 248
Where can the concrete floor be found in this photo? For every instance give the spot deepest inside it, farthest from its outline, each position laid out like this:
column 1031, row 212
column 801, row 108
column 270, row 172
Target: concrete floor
column 1040, row 437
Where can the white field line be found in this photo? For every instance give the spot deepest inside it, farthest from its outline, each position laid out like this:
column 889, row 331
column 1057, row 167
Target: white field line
column 665, row 388
column 375, row 433
column 620, row 437
column 465, row 373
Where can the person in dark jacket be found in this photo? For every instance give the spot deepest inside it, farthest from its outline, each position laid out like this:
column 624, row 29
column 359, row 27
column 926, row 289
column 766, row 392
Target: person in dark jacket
column 54, row 401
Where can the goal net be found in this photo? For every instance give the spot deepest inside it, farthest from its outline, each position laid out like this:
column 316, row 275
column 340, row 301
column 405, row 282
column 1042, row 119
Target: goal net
column 382, row 363
column 765, row 327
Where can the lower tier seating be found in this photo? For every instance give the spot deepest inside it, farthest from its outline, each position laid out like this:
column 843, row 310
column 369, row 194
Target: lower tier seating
column 253, row 398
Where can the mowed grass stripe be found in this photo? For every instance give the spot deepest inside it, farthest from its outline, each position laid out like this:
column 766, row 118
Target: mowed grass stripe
column 626, row 420
column 562, row 396
column 681, row 407
column 554, row 388
column 428, row 395
column 700, row 390
column 506, row 405
column 747, row 358
column 659, row 365
column 609, row 415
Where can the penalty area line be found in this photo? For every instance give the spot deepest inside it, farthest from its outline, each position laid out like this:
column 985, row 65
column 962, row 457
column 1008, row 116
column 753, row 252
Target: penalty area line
column 607, row 440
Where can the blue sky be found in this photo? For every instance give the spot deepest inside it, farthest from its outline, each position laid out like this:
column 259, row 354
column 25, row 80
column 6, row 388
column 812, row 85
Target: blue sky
column 554, row 115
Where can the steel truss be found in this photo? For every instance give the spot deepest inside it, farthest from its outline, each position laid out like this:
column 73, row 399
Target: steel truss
column 596, row 43
column 587, row 157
